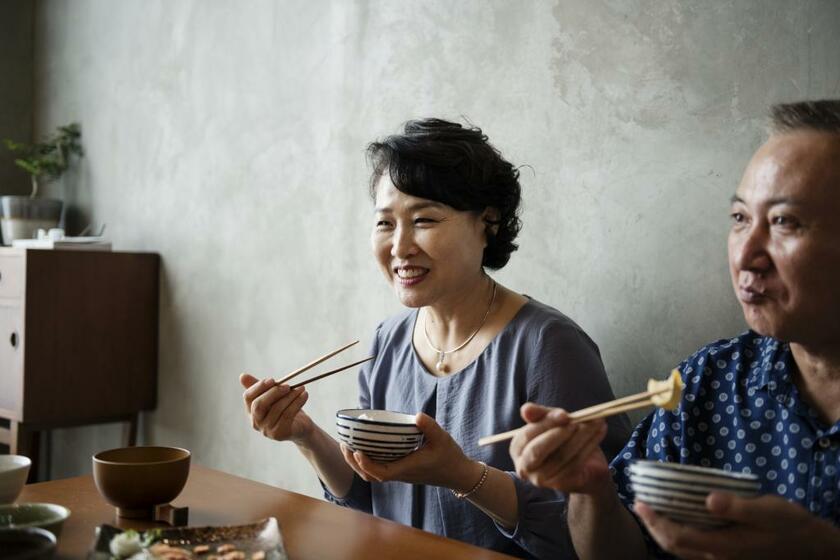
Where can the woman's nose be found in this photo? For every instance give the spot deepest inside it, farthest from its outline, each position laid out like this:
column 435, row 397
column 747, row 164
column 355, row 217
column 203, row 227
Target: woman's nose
column 403, row 243
column 750, row 250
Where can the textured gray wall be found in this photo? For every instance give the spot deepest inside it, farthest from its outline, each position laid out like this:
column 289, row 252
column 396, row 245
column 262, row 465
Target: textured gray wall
column 229, row 137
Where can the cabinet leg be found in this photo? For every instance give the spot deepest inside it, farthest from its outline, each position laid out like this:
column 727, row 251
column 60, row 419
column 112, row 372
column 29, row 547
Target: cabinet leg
column 14, row 444
column 26, row 442
column 130, row 430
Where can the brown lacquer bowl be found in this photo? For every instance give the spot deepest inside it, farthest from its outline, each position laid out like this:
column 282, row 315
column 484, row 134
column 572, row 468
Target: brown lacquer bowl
column 136, row 479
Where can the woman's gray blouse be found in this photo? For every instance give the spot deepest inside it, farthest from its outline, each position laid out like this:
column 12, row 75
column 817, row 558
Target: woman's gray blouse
column 540, row 356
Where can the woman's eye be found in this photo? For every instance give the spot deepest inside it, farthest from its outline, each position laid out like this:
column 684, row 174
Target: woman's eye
column 423, row 221
column 738, row 218
column 381, row 224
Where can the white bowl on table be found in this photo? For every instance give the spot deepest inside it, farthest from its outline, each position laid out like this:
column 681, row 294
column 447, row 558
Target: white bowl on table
column 13, row 472
column 382, row 435
column 679, row 491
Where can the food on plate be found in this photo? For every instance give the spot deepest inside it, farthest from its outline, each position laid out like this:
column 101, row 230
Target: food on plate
column 131, row 545
column 126, row 544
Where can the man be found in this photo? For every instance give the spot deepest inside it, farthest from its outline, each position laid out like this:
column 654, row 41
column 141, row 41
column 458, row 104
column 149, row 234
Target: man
column 767, row 401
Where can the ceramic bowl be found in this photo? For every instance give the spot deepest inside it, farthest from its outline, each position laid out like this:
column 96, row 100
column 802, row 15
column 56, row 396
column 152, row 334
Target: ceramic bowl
column 13, row 472
column 382, row 435
column 30, row 543
column 45, row 516
column 136, row 479
column 679, row 491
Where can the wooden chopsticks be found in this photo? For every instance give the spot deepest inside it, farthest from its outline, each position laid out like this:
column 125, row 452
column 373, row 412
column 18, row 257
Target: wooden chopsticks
column 317, row 361
column 603, row 410
column 327, row 374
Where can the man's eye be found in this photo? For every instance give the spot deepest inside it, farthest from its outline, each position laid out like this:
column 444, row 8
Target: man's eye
column 424, row 221
column 738, row 217
column 784, row 221
column 382, row 224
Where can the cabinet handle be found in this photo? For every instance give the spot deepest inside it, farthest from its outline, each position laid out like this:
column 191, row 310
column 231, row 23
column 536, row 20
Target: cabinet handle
column 13, row 340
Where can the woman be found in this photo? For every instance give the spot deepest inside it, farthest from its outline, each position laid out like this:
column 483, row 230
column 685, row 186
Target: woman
column 466, row 354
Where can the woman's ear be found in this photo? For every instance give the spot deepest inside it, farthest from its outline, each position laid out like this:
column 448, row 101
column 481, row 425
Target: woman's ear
column 491, row 217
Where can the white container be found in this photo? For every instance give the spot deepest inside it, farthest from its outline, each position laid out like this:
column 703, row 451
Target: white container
column 382, row 435
column 13, row 472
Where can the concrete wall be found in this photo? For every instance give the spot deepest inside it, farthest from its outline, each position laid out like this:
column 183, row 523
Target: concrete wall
column 229, row 137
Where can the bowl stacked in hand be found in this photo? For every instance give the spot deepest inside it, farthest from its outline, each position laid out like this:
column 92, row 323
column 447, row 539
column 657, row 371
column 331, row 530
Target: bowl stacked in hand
column 380, row 434
column 679, row 491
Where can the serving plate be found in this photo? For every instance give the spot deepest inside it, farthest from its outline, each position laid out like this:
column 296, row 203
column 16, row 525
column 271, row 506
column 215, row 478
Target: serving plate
column 256, row 540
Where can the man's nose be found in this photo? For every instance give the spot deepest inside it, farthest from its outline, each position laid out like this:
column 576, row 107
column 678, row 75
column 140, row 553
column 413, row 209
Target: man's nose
column 750, row 252
column 403, row 245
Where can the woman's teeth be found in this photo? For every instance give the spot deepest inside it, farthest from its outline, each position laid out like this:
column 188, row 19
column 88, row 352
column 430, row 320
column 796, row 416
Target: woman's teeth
column 410, row 272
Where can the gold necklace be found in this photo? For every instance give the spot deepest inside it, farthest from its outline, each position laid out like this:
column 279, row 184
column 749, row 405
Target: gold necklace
column 439, row 365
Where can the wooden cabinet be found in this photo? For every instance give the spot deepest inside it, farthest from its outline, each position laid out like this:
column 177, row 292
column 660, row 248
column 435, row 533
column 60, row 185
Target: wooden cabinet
column 78, row 341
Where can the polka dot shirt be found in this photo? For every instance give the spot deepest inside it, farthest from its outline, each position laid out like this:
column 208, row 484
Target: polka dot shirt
column 741, row 411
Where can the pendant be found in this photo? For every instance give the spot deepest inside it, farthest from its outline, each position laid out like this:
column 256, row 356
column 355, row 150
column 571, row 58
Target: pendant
column 440, row 366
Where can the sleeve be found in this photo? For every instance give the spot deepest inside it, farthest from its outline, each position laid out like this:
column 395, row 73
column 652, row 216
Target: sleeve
column 564, row 369
column 540, row 511
column 659, row 437
column 359, row 497
column 568, row 373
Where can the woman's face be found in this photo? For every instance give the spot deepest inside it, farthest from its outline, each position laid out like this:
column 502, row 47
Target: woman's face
column 429, row 252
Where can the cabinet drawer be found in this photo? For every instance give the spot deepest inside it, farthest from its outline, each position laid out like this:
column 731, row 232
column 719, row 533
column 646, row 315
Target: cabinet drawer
column 11, row 360
column 12, row 271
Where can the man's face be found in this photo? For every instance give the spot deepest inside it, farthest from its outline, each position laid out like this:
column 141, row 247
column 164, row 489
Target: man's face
column 784, row 245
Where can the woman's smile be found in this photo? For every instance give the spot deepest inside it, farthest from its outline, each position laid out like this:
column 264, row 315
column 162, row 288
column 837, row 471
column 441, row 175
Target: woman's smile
column 410, row 275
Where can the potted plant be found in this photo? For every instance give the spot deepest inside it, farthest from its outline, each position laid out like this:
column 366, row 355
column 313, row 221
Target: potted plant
column 45, row 161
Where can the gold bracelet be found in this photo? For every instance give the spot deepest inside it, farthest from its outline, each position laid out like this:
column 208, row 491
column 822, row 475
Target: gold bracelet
column 479, row 484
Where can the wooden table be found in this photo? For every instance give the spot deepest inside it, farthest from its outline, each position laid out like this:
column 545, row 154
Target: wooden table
column 312, row 529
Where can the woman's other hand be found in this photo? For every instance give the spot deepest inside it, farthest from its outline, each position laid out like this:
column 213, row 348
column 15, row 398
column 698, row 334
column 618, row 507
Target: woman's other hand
column 552, row 452
column 439, row 461
column 276, row 410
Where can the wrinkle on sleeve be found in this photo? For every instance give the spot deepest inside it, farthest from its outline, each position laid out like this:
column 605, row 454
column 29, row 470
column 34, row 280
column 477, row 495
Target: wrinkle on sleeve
column 359, row 497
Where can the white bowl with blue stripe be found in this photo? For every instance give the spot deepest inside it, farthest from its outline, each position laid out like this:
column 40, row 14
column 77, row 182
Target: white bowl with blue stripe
column 679, row 491
column 382, row 435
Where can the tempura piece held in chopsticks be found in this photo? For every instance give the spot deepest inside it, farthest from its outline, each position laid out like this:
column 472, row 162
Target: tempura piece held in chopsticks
column 667, row 393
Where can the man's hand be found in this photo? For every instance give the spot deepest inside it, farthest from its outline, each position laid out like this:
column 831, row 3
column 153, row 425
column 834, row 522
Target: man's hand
column 764, row 527
column 552, row 452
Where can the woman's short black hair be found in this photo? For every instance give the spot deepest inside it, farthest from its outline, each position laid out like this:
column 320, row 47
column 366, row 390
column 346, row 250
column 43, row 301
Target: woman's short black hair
column 455, row 165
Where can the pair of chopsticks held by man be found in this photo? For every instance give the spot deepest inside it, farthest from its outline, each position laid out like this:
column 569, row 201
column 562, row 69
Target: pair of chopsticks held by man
column 473, row 357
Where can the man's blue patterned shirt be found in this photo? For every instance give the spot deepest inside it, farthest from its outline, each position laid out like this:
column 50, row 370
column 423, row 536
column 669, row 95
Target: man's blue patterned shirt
column 741, row 411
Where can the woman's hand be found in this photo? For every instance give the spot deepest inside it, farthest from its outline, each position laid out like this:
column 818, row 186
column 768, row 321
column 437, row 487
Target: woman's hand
column 438, row 462
column 275, row 410
column 552, row 452
column 765, row 527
